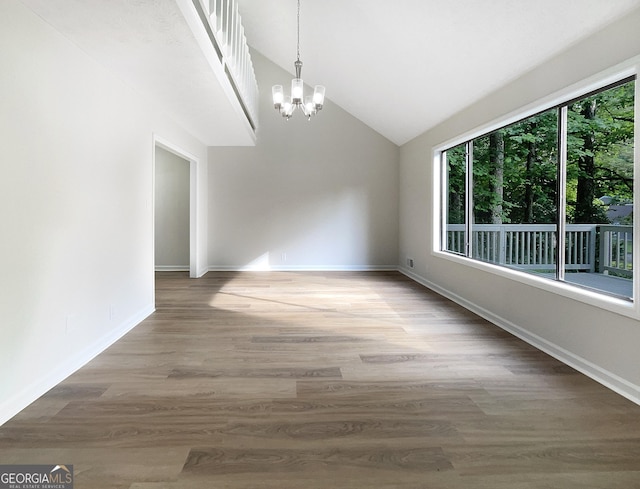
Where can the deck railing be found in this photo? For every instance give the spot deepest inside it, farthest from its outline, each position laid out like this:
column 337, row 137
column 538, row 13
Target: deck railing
column 616, row 250
column 226, row 33
column 533, row 246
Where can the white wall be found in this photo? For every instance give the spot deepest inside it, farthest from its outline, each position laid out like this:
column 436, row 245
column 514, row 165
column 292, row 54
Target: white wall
column 172, row 180
column 311, row 194
column 76, row 248
column 602, row 343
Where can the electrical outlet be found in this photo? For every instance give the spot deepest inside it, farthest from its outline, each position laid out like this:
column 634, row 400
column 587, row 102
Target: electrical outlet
column 284, row 257
column 410, row 262
column 113, row 312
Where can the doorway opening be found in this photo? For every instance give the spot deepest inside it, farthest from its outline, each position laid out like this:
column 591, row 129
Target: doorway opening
column 175, row 183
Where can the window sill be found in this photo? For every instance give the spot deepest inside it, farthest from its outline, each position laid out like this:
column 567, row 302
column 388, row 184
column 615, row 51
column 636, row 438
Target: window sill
column 613, row 304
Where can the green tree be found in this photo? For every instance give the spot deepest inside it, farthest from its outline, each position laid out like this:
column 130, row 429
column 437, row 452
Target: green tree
column 600, row 152
column 515, row 172
column 515, row 168
column 456, row 177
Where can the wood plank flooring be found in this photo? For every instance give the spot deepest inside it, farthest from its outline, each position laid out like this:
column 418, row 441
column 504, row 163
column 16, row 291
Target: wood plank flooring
column 325, row 380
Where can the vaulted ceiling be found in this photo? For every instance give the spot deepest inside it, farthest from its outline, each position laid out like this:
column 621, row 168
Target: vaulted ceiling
column 400, row 67
column 403, row 66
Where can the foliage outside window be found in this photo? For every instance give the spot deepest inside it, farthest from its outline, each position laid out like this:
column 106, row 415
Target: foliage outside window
column 510, row 194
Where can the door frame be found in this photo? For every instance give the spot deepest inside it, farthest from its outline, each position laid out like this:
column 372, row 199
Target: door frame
column 194, row 232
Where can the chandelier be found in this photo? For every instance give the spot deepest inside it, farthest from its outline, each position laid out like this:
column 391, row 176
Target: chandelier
column 309, row 105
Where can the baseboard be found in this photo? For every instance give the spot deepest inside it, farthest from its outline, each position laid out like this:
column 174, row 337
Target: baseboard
column 608, row 379
column 172, row 268
column 168, row 268
column 307, row 268
column 12, row 406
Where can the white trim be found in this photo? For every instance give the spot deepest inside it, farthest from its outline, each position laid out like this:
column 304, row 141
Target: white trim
column 172, row 268
column 12, row 406
column 636, row 186
column 608, row 379
column 613, row 75
column 193, row 218
column 199, row 31
column 194, row 231
column 306, row 268
column 565, row 289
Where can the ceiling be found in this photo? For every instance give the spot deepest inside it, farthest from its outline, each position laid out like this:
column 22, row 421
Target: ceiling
column 400, row 67
column 149, row 45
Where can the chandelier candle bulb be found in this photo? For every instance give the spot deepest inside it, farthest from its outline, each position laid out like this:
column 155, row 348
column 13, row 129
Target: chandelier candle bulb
column 297, row 91
column 278, row 96
column 287, row 107
column 318, row 96
column 309, row 106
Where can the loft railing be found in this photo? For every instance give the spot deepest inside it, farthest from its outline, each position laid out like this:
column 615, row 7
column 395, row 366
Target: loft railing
column 533, row 246
column 224, row 28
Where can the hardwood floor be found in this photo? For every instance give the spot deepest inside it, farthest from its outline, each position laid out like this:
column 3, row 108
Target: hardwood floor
column 325, row 380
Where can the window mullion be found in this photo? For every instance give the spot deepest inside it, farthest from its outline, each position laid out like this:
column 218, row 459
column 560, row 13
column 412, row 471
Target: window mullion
column 469, row 199
column 444, row 215
column 562, row 193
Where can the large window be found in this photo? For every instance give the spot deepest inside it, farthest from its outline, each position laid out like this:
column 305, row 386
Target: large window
column 550, row 195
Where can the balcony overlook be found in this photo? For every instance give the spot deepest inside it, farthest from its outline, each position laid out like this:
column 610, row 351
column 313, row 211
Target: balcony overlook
column 187, row 57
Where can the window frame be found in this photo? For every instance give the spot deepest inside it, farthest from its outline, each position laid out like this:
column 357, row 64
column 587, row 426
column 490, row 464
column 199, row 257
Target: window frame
column 559, row 100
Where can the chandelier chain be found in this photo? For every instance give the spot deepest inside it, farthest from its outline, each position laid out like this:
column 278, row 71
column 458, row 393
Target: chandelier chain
column 298, row 53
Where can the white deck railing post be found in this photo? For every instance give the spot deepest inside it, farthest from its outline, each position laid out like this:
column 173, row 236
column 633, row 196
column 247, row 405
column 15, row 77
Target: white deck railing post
column 532, row 246
column 615, row 243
